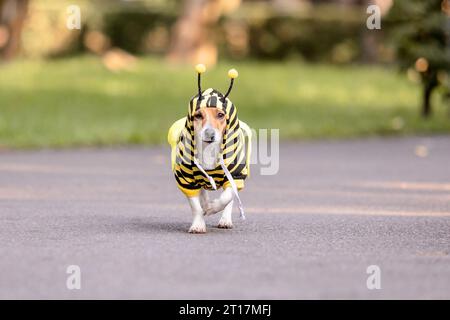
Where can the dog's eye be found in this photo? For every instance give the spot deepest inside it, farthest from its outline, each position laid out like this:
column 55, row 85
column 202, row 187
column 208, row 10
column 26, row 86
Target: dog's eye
column 198, row 116
column 220, row 115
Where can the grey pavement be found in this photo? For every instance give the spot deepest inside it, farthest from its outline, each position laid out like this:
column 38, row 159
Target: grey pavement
column 334, row 208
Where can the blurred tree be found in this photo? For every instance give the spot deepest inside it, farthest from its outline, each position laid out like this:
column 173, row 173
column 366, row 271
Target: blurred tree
column 193, row 38
column 421, row 34
column 12, row 17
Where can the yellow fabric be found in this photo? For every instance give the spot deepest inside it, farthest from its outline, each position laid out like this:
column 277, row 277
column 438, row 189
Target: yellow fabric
column 189, row 193
column 239, row 184
column 248, row 133
column 173, row 136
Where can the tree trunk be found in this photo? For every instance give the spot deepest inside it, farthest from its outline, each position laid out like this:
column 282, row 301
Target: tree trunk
column 426, row 106
column 12, row 16
column 429, row 84
column 193, row 38
column 188, row 31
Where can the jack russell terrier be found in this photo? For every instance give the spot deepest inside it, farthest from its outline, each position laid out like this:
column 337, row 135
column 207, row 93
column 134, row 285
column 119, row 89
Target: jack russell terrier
column 210, row 150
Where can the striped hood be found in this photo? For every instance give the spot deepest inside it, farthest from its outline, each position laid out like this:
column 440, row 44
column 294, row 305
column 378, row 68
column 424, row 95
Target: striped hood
column 212, row 98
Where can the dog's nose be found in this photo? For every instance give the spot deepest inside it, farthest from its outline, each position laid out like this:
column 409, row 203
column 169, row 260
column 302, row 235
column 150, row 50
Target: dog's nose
column 209, row 134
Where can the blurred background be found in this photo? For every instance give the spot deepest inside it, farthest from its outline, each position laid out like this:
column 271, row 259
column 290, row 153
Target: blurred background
column 311, row 68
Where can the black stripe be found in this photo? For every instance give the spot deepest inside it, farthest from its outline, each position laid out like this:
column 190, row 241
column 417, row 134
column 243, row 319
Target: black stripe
column 183, row 161
column 216, row 175
column 243, row 163
column 230, row 154
column 186, row 186
column 213, row 175
column 185, row 156
column 185, row 174
column 217, row 93
column 188, row 140
column 237, row 159
column 234, row 124
column 237, row 171
column 231, row 142
column 198, row 174
column 212, row 102
column 240, row 177
column 231, row 111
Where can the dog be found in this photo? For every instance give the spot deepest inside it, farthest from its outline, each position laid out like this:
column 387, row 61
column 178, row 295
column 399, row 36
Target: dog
column 210, row 150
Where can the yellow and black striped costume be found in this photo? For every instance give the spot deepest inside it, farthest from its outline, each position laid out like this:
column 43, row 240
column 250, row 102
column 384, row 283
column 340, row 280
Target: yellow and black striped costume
column 235, row 147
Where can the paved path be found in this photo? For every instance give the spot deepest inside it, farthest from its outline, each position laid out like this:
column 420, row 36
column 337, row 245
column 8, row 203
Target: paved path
column 334, row 209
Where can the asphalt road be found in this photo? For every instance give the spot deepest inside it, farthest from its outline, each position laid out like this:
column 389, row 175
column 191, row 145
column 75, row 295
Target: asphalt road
column 311, row 231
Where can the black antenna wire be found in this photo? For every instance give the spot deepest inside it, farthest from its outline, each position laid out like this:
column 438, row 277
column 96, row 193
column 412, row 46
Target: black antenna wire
column 199, row 86
column 229, row 88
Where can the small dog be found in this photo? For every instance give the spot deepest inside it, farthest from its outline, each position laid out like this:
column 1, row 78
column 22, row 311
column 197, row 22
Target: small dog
column 210, row 149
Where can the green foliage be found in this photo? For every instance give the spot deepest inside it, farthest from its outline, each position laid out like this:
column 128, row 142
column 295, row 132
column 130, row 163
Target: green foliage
column 77, row 101
column 421, row 30
column 281, row 37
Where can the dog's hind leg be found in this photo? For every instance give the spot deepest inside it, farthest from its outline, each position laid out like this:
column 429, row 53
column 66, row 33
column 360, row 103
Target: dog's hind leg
column 225, row 221
column 198, row 224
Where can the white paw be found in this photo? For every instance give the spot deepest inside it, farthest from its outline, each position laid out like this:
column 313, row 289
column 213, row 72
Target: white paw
column 212, row 207
column 225, row 223
column 198, row 226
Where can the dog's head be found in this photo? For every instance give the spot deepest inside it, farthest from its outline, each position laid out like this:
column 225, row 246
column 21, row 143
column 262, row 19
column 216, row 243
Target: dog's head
column 209, row 125
column 210, row 112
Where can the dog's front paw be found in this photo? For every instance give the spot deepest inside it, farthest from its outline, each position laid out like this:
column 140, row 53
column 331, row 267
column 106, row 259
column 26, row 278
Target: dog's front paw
column 225, row 223
column 212, row 207
column 198, row 226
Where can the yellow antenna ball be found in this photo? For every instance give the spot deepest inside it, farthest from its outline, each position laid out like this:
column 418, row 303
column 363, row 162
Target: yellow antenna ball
column 200, row 68
column 232, row 73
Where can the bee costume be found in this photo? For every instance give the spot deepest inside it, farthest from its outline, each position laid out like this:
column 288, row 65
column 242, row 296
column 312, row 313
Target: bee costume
column 234, row 157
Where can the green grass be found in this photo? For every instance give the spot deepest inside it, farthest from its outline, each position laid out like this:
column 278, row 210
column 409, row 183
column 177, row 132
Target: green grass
column 74, row 102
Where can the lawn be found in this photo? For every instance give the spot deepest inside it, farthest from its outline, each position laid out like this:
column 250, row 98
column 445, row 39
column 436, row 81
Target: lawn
column 77, row 101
